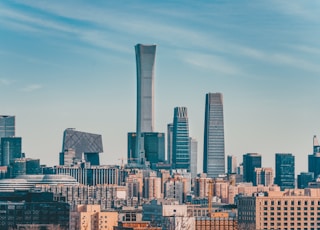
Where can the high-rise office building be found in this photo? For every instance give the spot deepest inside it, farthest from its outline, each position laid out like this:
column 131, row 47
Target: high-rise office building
column 153, row 145
column 232, row 164
column 285, row 171
column 251, row 161
column 314, row 159
column 304, row 178
column 85, row 145
column 10, row 149
column 180, row 139
column 213, row 149
column 7, row 126
column 145, row 62
column 169, row 142
column 193, row 157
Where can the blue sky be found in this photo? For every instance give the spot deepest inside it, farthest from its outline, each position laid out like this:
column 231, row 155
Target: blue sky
column 72, row 64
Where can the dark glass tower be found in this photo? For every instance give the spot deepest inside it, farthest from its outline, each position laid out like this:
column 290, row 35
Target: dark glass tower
column 7, row 126
column 285, row 168
column 153, row 147
column 145, row 62
column 213, row 149
column 10, row 149
column 251, row 161
column 314, row 159
column 180, row 139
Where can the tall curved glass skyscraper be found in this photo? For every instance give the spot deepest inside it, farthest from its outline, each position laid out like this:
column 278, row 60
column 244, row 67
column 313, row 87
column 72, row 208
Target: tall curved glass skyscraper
column 213, row 149
column 145, row 61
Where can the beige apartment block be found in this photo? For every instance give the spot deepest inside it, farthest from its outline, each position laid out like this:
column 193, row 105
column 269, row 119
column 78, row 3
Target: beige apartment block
column 90, row 217
column 295, row 209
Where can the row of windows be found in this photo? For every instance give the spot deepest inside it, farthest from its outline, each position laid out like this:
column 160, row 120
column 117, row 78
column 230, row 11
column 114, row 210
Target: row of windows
column 291, row 208
column 290, row 224
column 291, row 213
column 292, row 202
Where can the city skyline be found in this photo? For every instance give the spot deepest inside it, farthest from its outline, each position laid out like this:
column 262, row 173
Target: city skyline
column 76, row 68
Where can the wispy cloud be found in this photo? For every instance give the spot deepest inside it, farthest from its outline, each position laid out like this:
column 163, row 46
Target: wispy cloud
column 4, row 81
column 31, row 87
column 211, row 62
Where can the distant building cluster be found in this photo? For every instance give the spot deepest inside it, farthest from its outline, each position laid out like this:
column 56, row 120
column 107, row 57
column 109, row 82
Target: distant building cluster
column 159, row 187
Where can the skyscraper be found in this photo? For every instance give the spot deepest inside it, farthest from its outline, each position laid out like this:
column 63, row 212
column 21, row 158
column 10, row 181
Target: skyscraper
column 10, row 149
column 263, row 176
column 193, row 157
column 213, row 149
column 285, row 171
column 153, row 144
column 251, row 161
column 145, row 62
column 169, row 142
column 232, row 164
column 85, row 145
column 314, row 159
column 7, row 126
column 180, row 139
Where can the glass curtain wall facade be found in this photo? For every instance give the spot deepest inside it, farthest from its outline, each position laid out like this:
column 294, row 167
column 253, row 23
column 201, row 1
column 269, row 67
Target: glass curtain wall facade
column 314, row 159
column 83, row 144
column 10, row 149
column 251, row 161
column 213, row 149
column 285, row 171
column 145, row 62
column 7, row 126
column 180, row 139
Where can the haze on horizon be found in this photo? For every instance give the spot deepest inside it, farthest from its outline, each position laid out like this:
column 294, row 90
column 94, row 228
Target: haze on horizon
column 71, row 64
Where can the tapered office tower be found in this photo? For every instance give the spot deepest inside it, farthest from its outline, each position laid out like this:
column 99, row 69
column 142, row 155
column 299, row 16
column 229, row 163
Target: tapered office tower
column 145, row 61
column 213, row 149
column 180, row 139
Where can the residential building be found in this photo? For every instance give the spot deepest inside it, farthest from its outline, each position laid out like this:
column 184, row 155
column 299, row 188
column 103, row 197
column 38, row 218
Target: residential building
column 291, row 209
column 263, row 176
column 193, row 157
column 152, row 187
column 285, row 171
column 217, row 220
column 169, row 142
column 91, row 217
column 232, row 164
column 213, row 149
